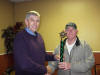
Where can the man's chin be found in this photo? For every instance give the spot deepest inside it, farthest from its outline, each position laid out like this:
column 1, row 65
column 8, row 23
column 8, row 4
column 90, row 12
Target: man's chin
column 34, row 30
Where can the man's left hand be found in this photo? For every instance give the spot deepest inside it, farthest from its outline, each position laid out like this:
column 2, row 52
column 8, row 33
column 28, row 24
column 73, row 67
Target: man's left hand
column 64, row 65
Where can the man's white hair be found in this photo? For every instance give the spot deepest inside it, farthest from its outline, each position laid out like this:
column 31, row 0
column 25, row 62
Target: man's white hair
column 29, row 13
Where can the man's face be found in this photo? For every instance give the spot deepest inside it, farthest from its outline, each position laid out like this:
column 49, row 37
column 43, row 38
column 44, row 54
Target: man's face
column 33, row 22
column 71, row 32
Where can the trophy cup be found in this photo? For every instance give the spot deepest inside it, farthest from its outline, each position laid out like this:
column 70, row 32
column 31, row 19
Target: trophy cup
column 62, row 35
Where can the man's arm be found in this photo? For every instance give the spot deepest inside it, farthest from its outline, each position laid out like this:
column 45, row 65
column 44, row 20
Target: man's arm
column 52, row 65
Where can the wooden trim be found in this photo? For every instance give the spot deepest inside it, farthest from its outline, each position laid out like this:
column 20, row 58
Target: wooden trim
column 7, row 61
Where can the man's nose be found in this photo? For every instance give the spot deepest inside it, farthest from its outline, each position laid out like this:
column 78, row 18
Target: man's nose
column 35, row 22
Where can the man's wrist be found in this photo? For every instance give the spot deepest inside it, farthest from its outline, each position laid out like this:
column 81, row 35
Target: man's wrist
column 49, row 70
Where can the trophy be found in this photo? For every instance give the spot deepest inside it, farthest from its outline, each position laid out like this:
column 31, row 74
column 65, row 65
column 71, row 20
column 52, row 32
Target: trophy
column 62, row 35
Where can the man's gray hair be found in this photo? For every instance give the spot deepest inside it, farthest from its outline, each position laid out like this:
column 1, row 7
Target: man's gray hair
column 28, row 14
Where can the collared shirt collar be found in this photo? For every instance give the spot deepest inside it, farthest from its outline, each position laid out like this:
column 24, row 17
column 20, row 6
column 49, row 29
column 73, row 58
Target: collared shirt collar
column 30, row 32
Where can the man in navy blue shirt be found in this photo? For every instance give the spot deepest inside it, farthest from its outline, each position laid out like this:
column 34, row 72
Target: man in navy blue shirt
column 29, row 49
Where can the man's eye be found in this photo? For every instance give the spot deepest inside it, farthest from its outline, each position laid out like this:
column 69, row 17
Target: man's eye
column 38, row 20
column 32, row 20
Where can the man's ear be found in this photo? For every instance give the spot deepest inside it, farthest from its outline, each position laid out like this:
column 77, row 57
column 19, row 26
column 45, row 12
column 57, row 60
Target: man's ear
column 77, row 31
column 65, row 30
column 26, row 22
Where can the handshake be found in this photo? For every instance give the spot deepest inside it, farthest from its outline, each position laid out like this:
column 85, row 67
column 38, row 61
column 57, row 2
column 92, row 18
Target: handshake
column 61, row 65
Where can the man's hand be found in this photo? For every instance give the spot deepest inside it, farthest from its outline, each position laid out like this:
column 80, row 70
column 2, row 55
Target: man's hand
column 47, row 74
column 49, row 70
column 64, row 65
column 57, row 57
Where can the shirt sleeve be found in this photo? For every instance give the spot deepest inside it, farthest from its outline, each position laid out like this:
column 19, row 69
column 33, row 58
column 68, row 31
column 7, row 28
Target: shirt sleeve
column 50, row 57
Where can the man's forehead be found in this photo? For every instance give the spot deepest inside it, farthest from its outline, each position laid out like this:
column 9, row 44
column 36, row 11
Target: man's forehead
column 70, row 27
column 34, row 16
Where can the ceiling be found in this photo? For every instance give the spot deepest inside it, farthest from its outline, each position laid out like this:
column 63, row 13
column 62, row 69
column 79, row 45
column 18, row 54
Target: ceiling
column 19, row 0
